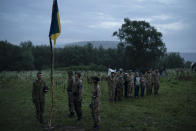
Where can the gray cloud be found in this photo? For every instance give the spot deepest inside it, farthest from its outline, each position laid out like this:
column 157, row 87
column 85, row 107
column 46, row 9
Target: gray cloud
column 97, row 19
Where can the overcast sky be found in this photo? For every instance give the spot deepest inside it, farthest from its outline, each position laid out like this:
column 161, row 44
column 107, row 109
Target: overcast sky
column 86, row 20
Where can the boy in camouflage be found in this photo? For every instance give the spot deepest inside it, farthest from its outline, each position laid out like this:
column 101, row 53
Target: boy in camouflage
column 38, row 96
column 95, row 101
column 111, row 86
column 131, row 83
column 70, row 93
column 143, row 85
column 77, row 95
column 148, row 83
column 157, row 82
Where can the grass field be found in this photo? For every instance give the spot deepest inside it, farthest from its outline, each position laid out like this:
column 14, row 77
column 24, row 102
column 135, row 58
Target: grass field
column 173, row 109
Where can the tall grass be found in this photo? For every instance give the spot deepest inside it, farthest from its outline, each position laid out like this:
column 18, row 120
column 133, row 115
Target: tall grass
column 173, row 109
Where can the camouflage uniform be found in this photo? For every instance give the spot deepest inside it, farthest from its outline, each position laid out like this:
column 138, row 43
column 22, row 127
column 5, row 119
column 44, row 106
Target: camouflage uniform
column 111, row 88
column 38, row 97
column 126, row 84
column 119, row 88
column 77, row 97
column 95, row 104
column 130, row 84
column 156, row 83
column 148, row 83
column 153, row 80
column 143, row 86
column 70, row 95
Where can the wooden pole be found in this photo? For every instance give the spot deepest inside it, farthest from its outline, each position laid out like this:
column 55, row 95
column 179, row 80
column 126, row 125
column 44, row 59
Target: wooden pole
column 52, row 85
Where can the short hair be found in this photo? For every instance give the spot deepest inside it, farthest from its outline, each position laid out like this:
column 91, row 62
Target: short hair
column 78, row 73
column 39, row 73
column 70, row 72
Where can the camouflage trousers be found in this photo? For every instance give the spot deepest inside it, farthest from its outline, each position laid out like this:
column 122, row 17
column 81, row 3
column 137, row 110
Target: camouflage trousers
column 70, row 101
column 130, row 89
column 156, row 88
column 78, row 107
column 111, row 93
column 148, row 89
column 39, row 107
column 95, row 113
column 118, row 93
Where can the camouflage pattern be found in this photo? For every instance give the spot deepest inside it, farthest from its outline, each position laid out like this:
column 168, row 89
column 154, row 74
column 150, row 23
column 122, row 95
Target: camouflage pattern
column 148, row 76
column 143, row 86
column 156, row 83
column 111, row 88
column 126, row 84
column 38, row 97
column 95, row 101
column 70, row 95
column 130, row 84
column 153, row 80
column 77, row 97
column 119, row 88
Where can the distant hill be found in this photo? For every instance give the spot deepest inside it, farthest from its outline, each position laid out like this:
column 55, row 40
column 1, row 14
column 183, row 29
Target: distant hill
column 96, row 44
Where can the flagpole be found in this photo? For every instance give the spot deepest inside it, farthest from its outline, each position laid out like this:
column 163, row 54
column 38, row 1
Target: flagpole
column 52, row 84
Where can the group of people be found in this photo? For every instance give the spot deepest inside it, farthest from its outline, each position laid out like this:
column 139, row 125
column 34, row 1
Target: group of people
column 132, row 84
column 74, row 91
column 117, row 83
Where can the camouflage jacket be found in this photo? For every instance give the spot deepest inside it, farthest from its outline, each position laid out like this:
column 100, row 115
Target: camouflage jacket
column 111, row 82
column 148, row 78
column 96, row 94
column 69, row 84
column 77, row 89
column 157, row 78
column 38, row 91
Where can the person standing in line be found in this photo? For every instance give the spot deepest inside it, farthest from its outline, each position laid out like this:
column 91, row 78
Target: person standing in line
column 70, row 93
column 77, row 95
column 137, row 83
column 95, row 101
column 38, row 96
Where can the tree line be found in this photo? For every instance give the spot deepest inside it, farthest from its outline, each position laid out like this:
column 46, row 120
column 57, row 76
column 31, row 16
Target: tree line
column 27, row 56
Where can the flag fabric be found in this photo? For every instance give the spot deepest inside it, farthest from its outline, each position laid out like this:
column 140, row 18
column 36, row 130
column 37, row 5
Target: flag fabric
column 55, row 27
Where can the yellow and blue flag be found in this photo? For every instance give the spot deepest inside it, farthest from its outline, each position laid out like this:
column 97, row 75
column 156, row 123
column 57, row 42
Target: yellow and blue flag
column 55, row 27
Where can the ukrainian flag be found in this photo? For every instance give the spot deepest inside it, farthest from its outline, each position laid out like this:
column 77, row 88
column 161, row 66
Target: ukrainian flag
column 55, row 27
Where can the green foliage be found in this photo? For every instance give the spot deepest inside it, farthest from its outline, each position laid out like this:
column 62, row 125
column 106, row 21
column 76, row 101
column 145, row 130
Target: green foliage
column 172, row 60
column 173, row 109
column 30, row 57
column 143, row 43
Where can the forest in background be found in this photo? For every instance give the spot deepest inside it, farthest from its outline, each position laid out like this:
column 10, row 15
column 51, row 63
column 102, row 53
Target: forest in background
column 27, row 56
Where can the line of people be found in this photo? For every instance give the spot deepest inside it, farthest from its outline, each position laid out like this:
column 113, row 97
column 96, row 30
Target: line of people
column 117, row 82
column 132, row 83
